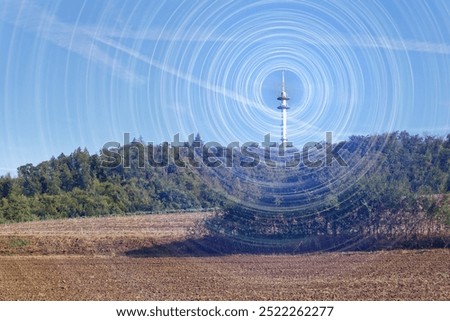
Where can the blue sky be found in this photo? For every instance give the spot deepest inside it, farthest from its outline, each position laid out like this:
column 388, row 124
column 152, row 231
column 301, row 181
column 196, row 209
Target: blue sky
column 82, row 73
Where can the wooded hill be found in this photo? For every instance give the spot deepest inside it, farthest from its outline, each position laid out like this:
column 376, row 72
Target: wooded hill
column 390, row 183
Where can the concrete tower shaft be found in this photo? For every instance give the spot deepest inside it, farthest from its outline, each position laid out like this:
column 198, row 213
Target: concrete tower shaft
column 283, row 106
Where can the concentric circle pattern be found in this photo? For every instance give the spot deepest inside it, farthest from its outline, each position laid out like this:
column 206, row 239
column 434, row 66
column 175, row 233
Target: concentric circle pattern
column 227, row 77
column 330, row 51
column 86, row 73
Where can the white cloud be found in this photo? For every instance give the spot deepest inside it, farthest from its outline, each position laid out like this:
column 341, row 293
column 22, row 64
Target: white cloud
column 404, row 45
column 89, row 42
column 179, row 74
column 29, row 16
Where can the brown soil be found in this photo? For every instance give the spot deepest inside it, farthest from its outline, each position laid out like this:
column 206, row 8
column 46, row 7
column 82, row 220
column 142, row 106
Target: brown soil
column 86, row 259
column 103, row 236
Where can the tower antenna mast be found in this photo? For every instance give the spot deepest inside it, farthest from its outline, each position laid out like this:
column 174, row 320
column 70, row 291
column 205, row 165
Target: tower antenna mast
column 283, row 107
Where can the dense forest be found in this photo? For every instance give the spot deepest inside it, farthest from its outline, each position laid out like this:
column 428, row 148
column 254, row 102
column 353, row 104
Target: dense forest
column 387, row 184
column 393, row 189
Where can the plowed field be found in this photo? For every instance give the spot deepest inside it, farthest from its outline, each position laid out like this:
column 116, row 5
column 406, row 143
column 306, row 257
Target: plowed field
column 88, row 259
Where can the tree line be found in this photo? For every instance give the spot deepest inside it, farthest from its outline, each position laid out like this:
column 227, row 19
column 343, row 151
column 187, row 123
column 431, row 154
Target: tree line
column 392, row 184
column 77, row 185
column 395, row 189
